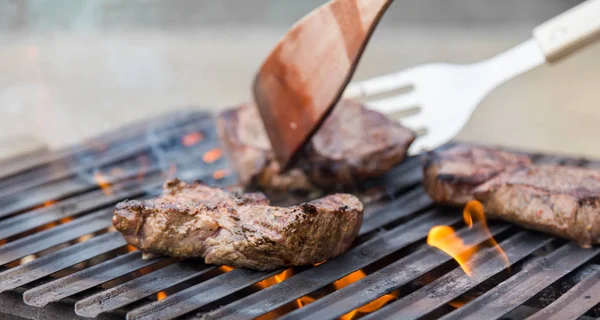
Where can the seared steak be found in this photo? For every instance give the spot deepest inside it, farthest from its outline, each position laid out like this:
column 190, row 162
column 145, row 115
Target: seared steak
column 224, row 227
column 353, row 144
column 564, row 201
column 451, row 174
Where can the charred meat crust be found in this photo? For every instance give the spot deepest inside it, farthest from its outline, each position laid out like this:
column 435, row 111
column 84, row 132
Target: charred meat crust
column 451, row 174
column 560, row 200
column 353, row 144
column 243, row 230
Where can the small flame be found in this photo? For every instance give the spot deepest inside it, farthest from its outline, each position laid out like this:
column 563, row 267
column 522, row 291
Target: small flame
column 226, row 268
column 49, row 203
column 304, row 301
column 445, row 238
column 220, row 174
column 192, row 138
column 212, row 155
column 131, row 248
column 458, row 303
column 65, row 220
column 368, row 308
column 102, row 183
column 161, row 295
column 276, row 279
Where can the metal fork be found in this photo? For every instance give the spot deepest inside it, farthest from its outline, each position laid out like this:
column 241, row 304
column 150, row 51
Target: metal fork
column 439, row 98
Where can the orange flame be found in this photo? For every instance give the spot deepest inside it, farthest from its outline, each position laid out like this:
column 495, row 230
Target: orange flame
column 445, row 238
column 220, row 174
column 161, row 295
column 458, row 303
column 49, row 203
column 368, row 308
column 192, row 138
column 226, row 268
column 275, row 279
column 131, row 248
column 212, row 155
column 304, row 301
column 102, row 183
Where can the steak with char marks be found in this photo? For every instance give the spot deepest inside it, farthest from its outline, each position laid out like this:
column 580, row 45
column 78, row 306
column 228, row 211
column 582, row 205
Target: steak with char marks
column 561, row 200
column 451, row 173
column 243, row 230
column 353, row 144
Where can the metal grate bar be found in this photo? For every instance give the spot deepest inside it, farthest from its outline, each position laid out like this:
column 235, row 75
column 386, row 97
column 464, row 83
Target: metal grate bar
column 575, row 303
column 65, row 188
column 56, row 261
column 236, row 280
column 385, row 280
column 406, row 175
column 128, row 132
column 317, row 277
column 410, row 203
column 133, row 150
column 33, row 198
column 57, row 235
column 60, row 175
column 453, row 284
column 86, row 279
column 140, row 288
column 200, row 295
column 129, row 149
column 524, row 285
column 66, row 208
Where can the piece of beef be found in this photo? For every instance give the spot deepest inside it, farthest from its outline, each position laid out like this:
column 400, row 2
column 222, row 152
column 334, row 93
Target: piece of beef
column 561, row 200
column 224, row 227
column 451, row 174
column 353, row 144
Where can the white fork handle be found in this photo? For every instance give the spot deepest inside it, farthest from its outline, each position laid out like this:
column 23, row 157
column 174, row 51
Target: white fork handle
column 569, row 31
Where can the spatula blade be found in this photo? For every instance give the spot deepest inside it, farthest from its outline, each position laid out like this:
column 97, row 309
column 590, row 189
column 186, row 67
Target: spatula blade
column 305, row 75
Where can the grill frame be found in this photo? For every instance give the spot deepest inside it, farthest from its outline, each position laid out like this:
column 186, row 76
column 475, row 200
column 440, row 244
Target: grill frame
column 390, row 226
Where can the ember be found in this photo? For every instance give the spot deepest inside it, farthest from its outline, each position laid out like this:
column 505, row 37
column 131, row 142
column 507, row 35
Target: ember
column 445, row 238
column 368, row 308
column 220, row 174
column 161, row 295
column 212, row 155
column 191, row 139
column 102, row 183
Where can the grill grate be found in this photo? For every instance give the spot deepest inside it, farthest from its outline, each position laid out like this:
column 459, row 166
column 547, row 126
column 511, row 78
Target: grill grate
column 61, row 257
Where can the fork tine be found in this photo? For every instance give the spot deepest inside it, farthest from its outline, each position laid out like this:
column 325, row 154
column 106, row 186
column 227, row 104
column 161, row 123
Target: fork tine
column 395, row 104
column 382, row 84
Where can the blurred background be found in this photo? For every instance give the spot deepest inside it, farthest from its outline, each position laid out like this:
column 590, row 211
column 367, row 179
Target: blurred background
column 73, row 69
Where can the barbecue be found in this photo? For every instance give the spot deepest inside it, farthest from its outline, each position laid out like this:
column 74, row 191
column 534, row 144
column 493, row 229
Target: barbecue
column 452, row 173
column 243, row 230
column 557, row 199
column 352, row 145
column 60, row 257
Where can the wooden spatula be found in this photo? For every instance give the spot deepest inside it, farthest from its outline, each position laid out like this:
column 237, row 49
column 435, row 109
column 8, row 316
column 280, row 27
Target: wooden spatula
column 305, row 75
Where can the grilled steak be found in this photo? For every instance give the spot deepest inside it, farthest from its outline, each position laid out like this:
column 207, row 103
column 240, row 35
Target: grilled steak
column 451, row 174
column 224, row 227
column 353, row 144
column 564, row 201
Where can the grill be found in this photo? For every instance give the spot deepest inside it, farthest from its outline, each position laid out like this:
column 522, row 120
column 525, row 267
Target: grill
column 60, row 257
